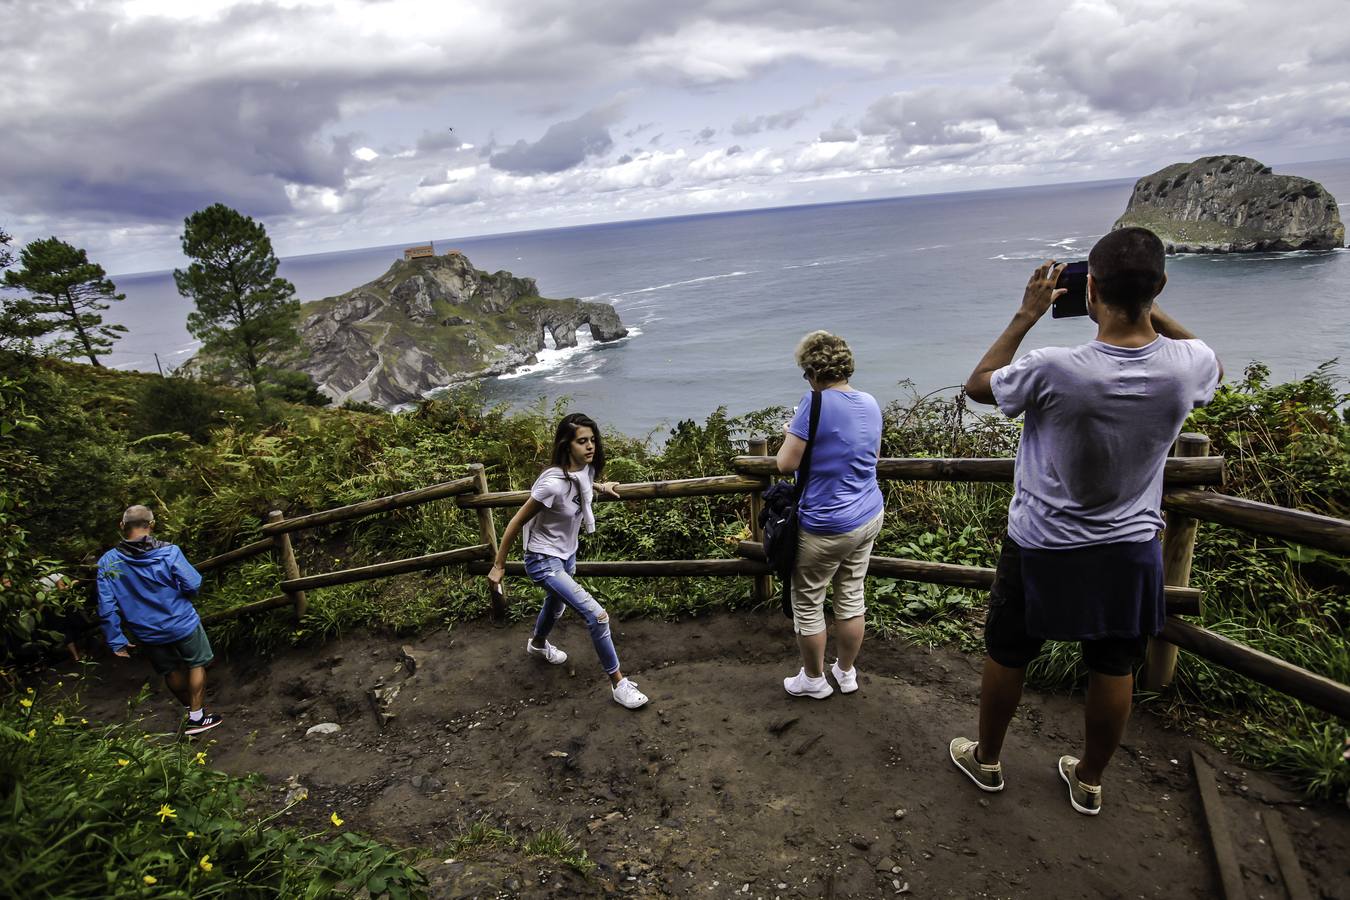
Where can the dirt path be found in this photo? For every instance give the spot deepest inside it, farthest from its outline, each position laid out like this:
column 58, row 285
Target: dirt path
column 724, row 786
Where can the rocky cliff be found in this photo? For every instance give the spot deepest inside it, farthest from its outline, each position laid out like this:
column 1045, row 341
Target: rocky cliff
column 431, row 322
column 1233, row 204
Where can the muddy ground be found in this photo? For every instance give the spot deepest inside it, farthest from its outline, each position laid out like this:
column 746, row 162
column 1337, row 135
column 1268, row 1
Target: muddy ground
column 723, row 786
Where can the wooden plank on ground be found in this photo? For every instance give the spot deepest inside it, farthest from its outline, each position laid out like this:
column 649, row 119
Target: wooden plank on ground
column 1295, row 885
column 1225, row 855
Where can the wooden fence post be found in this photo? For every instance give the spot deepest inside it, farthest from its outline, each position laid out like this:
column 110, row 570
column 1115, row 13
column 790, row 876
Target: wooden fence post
column 291, row 568
column 763, row 588
column 487, row 531
column 1177, row 550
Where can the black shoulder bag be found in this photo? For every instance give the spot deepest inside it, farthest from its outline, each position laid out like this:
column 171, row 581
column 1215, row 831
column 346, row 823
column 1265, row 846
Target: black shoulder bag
column 779, row 519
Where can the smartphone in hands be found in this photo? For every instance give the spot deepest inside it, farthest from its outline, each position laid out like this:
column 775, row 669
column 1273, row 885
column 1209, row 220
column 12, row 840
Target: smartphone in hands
column 1074, row 280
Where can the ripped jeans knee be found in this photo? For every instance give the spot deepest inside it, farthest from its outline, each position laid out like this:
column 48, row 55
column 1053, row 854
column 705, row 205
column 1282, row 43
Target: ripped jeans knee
column 561, row 590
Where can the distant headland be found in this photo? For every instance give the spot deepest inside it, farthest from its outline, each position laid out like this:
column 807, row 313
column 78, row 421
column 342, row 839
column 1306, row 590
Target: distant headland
column 432, row 321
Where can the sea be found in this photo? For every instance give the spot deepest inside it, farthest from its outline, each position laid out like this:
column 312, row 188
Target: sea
column 919, row 286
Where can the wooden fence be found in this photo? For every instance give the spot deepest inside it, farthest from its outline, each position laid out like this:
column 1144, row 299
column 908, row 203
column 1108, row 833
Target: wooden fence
column 1186, row 502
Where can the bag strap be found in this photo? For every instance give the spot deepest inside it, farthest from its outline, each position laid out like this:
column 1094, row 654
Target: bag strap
column 804, row 467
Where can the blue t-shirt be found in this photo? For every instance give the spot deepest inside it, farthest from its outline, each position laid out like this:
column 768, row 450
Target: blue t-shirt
column 1099, row 422
column 841, row 489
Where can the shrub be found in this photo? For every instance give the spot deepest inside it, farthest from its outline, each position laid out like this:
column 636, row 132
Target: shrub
column 108, row 811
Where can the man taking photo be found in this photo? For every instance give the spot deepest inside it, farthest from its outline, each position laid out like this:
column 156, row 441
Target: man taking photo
column 1082, row 560
column 146, row 584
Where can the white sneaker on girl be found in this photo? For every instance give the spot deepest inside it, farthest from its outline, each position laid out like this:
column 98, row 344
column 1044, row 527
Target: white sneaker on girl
column 626, row 693
column 548, row 652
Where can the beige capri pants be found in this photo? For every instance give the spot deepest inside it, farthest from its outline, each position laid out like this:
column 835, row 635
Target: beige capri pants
column 826, row 558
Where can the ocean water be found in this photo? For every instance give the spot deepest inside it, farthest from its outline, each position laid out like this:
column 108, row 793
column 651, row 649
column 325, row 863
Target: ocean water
column 919, row 286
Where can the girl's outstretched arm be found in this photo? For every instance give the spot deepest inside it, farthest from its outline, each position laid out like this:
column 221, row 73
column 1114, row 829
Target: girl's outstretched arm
column 527, row 511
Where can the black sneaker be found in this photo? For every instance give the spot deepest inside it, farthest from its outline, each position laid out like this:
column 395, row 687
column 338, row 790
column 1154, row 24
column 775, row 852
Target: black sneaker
column 206, row 723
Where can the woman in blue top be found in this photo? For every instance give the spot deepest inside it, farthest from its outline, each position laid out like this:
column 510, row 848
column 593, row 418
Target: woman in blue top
column 559, row 505
column 840, row 512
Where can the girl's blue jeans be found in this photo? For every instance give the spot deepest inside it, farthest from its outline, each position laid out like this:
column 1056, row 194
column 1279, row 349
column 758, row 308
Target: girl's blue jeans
column 561, row 590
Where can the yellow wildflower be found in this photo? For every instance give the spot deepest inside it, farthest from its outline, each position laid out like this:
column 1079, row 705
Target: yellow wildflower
column 335, row 820
column 25, row 703
column 191, row 834
column 58, row 719
column 84, row 721
column 150, row 879
column 200, row 759
column 206, row 863
column 166, row 812
column 124, row 762
column 28, row 690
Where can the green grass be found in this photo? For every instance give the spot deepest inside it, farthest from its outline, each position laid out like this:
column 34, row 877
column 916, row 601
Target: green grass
column 106, row 810
column 482, row 838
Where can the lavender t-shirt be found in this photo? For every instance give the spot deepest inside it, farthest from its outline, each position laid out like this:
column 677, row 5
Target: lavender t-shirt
column 1099, row 422
column 566, row 497
column 841, row 489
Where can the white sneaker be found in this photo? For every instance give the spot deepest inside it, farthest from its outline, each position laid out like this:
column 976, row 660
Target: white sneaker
column 548, row 652
column 803, row 685
column 626, row 693
column 847, row 681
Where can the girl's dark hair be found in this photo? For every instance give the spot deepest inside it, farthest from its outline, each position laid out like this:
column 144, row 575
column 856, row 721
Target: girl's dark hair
column 562, row 438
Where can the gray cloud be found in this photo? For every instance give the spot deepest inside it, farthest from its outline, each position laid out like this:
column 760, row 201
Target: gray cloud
column 564, row 145
column 165, row 114
column 437, row 141
column 705, row 135
column 838, row 134
column 770, row 122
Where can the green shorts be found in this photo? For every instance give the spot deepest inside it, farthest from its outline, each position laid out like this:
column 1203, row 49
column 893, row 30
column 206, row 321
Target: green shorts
column 188, row 653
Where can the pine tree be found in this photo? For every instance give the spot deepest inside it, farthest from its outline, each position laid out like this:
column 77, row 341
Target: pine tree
column 66, row 294
column 245, row 313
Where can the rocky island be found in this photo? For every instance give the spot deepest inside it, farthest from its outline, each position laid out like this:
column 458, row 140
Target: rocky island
column 433, row 321
column 1233, row 204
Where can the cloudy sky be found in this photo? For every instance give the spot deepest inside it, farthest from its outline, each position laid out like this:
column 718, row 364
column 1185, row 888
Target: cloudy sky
column 370, row 122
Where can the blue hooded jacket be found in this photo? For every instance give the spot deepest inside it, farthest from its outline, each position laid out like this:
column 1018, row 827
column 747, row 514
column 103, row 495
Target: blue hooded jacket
column 148, row 582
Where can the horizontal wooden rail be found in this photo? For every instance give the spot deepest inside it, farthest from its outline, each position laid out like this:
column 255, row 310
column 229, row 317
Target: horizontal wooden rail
column 386, row 569
column 1309, row 687
column 238, row 553
column 1309, row 529
column 638, row 490
column 276, row 602
column 1180, row 601
column 1178, row 472
column 645, row 568
column 370, row 507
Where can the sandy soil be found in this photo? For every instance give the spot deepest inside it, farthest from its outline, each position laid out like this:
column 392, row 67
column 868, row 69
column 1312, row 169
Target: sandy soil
column 723, row 786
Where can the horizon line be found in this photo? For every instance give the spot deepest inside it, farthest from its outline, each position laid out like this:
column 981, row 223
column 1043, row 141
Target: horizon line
column 724, row 212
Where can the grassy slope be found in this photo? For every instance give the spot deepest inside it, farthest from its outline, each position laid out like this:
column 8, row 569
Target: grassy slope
column 1285, row 444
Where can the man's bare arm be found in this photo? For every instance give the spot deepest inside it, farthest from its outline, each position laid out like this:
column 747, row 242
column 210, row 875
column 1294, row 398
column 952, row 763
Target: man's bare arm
column 1040, row 293
column 1171, row 328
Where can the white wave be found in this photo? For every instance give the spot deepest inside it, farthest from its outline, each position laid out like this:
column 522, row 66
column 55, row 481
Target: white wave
column 550, row 359
column 662, row 287
column 569, row 364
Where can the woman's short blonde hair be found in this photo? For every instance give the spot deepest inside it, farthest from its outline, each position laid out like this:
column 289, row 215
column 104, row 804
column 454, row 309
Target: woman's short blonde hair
column 825, row 357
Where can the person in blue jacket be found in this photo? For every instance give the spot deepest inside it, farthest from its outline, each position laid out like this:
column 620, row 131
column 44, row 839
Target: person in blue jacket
column 144, row 587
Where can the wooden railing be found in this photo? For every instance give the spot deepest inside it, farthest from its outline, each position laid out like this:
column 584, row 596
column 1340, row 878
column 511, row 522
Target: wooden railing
column 1184, row 501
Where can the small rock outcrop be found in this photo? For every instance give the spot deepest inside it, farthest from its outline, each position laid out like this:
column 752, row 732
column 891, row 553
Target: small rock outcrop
column 434, row 321
column 1233, row 204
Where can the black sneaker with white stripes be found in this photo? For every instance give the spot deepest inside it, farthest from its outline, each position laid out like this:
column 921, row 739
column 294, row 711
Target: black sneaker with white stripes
column 205, row 723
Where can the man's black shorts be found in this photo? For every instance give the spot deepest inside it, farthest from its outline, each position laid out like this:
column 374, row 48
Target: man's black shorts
column 1005, row 631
